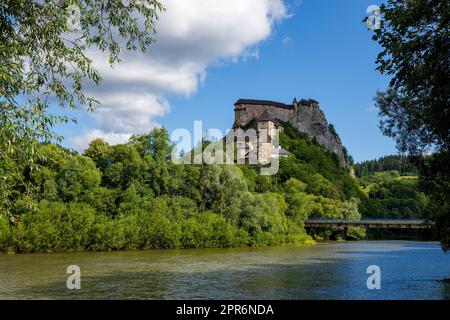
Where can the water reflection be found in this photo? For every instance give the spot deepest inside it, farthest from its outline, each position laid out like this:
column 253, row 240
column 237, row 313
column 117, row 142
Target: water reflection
column 410, row 270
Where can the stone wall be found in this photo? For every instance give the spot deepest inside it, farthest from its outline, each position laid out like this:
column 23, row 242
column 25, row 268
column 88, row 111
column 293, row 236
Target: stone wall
column 246, row 113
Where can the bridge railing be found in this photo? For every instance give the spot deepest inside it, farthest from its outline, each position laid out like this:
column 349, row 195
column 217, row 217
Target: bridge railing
column 367, row 220
column 369, row 223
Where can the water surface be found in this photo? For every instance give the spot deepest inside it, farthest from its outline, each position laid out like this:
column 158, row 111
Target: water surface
column 337, row 270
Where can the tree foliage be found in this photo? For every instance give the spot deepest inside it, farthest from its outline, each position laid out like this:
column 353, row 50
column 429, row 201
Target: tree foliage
column 415, row 109
column 44, row 58
column 394, row 196
column 403, row 164
column 132, row 196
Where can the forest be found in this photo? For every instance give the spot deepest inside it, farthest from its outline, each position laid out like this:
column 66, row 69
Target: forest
column 132, row 196
column 403, row 164
column 392, row 185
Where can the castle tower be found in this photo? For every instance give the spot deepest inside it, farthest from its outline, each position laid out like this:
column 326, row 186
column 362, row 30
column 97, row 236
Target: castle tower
column 295, row 103
column 267, row 132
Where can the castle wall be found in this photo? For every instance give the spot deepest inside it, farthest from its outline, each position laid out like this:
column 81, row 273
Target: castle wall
column 264, row 152
column 245, row 113
column 267, row 129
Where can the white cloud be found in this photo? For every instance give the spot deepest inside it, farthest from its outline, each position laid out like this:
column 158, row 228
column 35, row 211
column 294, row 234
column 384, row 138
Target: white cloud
column 129, row 112
column 191, row 36
column 81, row 142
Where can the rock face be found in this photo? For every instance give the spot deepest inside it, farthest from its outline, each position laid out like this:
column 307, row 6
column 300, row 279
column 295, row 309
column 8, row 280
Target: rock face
column 305, row 116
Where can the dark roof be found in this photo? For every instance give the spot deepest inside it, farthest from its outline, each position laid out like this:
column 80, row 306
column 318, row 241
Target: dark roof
column 281, row 152
column 308, row 102
column 263, row 103
column 284, row 152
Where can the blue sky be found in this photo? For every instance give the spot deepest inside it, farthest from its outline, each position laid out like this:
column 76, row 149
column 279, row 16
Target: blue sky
column 320, row 49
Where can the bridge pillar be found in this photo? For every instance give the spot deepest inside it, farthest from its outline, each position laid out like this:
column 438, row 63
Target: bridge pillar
column 344, row 232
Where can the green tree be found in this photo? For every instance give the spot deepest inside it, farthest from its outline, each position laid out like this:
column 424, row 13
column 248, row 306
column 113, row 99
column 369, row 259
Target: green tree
column 415, row 110
column 42, row 56
column 77, row 179
column 124, row 166
column 356, row 233
column 349, row 209
column 220, row 185
column 98, row 151
column 262, row 216
column 156, row 143
column 399, row 163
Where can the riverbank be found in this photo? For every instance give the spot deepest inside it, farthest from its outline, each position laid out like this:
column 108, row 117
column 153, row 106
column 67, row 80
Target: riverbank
column 130, row 234
column 310, row 242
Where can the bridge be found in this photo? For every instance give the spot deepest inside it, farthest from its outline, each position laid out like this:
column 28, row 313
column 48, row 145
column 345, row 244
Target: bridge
column 368, row 223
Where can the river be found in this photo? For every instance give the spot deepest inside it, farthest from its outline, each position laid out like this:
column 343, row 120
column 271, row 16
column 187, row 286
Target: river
column 334, row 270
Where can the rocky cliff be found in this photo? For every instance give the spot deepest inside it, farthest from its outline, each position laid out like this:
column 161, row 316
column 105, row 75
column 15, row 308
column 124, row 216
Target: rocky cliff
column 312, row 121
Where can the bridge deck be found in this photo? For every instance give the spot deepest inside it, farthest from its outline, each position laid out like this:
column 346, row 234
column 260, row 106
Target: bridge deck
column 369, row 223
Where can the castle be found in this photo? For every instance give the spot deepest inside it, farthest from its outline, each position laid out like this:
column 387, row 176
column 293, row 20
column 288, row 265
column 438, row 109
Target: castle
column 261, row 145
column 304, row 115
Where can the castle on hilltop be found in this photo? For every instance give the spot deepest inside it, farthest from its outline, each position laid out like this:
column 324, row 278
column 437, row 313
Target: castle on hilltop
column 304, row 115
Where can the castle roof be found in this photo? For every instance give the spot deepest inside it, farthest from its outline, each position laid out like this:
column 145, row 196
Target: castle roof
column 280, row 152
column 308, row 102
column 284, row 152
column 263, row 103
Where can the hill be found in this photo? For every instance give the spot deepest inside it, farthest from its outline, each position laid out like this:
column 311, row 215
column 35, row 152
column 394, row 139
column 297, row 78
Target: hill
column 131, row 196
column 399, row 163
column 391, row 184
